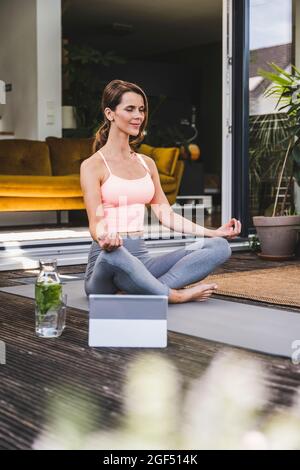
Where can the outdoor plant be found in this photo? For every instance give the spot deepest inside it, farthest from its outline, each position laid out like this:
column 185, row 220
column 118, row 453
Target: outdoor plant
column 286, row 87
column 267, row 137
column 254, row 243
column 278, row 232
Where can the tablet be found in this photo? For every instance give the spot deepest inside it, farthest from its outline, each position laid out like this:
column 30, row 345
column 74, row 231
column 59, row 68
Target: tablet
column 127, row 320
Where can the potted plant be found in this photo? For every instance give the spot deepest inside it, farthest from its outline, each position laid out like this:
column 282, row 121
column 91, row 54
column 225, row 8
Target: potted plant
column 278, row 233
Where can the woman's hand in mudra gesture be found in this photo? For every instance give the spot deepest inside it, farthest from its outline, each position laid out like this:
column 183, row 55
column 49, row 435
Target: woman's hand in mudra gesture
column 229, row 230
column 110, row 241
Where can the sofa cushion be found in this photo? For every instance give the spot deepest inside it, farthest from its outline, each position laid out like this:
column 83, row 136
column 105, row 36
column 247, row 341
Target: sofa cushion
column 24, row 157
column 169, row 183
column 40, row 186
column 165, row 157
column 11, row 204
column 66, row 154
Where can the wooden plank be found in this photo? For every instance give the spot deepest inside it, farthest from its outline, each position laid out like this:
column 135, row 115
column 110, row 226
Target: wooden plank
column 36, row 366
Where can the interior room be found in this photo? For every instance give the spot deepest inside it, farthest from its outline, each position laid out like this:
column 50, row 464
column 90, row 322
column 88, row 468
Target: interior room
column 176, row 56
column 173, row 51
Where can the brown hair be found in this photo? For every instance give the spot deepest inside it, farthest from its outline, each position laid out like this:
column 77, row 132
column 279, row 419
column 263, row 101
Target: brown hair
column 111, row 97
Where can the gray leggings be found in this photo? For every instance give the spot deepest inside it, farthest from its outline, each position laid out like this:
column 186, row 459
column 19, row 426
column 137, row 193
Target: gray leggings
column 132, row 269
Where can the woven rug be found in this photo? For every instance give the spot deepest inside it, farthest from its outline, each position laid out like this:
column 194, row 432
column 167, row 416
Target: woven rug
column 279, row 285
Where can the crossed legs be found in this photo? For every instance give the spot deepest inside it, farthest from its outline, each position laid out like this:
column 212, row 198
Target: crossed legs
column 160, row 275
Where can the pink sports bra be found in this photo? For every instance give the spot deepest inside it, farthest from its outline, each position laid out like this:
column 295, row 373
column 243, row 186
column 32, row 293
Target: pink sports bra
column 124, row 200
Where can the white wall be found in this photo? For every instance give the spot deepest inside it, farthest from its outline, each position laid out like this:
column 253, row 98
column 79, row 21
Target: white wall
column 49, row 46
column 30, row 59
column 17, row 65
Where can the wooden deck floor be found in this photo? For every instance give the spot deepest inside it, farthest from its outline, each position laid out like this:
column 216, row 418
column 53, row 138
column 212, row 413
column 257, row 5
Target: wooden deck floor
column 35, row 367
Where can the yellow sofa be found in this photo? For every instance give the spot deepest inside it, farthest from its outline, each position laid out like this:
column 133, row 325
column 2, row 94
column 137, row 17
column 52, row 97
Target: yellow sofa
column 44, row 175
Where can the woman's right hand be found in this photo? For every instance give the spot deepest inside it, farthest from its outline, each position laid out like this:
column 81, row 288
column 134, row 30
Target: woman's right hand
column 109, row 241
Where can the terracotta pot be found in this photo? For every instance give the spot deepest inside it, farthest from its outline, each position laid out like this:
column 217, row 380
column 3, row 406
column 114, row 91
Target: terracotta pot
column 278, row 236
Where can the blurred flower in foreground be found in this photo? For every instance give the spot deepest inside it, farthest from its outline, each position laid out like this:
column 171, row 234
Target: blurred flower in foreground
column 70, row 417
column 152, row 406
column 223, row 409
column 224, row 403
column 282, row 430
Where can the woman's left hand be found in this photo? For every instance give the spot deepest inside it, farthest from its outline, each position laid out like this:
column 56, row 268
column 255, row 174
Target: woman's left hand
column 229, row 230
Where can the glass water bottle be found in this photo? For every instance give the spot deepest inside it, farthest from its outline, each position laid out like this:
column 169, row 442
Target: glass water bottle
column 50, row 302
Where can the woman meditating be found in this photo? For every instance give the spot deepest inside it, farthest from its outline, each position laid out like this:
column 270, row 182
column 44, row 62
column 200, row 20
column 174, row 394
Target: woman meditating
column 116, row 183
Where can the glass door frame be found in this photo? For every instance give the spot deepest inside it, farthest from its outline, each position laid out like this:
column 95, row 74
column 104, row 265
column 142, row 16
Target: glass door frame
column 235, row 113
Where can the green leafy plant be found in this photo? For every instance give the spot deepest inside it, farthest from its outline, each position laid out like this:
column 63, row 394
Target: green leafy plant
column 254, row 243
column 267, row 145
column 286, row 87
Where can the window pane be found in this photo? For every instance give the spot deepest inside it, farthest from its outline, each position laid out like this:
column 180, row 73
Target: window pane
column 271, row 40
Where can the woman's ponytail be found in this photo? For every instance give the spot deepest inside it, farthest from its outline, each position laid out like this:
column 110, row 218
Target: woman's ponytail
column 101, row 135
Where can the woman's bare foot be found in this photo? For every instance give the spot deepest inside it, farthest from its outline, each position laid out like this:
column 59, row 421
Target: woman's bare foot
column 199, row 292
column 196, row 284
